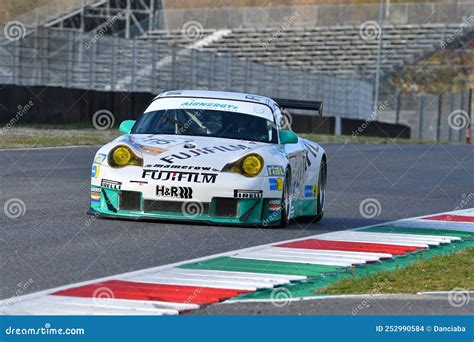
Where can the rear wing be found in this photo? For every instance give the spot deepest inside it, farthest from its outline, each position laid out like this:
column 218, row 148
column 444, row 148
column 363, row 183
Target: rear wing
column 301, row 104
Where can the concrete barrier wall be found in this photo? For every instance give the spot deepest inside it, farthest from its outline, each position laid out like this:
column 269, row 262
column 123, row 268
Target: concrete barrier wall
column 22, row 104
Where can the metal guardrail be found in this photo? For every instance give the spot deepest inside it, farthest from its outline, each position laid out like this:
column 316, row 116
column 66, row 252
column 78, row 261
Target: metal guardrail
column 71, row 59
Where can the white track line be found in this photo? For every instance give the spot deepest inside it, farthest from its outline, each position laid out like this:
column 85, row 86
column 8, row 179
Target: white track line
column 89, row 306
column 307, row 256
column 202, row 281
column 342, row 255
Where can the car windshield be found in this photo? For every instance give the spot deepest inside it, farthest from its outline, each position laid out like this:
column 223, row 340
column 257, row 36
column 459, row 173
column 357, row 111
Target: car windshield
column 208, row 123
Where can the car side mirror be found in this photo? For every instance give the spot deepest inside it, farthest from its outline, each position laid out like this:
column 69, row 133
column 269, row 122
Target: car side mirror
column 126, row 126
column 288, row 137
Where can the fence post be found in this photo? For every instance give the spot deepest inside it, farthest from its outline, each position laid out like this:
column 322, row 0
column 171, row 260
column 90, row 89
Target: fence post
column 399, row 100
column 153, row 65
column 246, row 76
column 438, row 118
column 134, row 63
column 461, row 105
column 420, row 119
column 92, row 64
column 113, row 69
column 451, row 108
column 173, row 67
column 228, row 79
column 193, row 68
column 469, row 115
column 211, row 63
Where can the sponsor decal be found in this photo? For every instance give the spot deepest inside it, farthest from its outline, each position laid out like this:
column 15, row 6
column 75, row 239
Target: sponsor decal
column 152, row 150
column 181, row 167
column 210, row 105
column 275, row 170
column 274, row 206
column 185, row 192
column 95, row 197
column 158, row 141
column 95, row 189
column 110, row 184
column 139, row 182
column 248, row 193
column 95, row 171
column 310, row 191
column 99, row 159
column 203, row 151
column 276, row 183
column 298, row 169
column 194, row 177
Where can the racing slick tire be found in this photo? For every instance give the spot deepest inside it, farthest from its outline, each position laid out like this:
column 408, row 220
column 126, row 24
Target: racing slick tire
column 286, row 201
column 321, row 191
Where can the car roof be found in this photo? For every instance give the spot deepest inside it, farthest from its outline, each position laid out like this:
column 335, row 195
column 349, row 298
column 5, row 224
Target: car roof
column 227, row 95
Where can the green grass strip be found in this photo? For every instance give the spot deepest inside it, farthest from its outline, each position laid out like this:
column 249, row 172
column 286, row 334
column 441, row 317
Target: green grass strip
column 261, row 266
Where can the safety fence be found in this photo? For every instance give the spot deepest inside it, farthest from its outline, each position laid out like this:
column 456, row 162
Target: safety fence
column 100, row 62
column 318, row 15
column 431, row 117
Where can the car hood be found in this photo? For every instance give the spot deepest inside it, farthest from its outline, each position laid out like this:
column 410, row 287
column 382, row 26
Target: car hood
column 173, row 151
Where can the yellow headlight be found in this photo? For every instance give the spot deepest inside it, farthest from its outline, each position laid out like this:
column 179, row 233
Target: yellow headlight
column 252, row 165
column 123, row 155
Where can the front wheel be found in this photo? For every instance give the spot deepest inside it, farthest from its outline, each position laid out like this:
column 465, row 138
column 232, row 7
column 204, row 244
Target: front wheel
column 286, row 202
column 321, row 191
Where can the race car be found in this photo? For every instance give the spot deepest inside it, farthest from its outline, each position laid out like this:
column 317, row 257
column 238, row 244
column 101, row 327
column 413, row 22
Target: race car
column 216, row 157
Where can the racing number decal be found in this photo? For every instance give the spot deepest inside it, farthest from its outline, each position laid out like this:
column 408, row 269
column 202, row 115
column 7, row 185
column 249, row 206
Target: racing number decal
column 298, row 168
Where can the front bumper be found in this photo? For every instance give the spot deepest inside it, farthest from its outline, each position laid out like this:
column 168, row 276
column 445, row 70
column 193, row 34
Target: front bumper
column 213, row 203
column 261, row 211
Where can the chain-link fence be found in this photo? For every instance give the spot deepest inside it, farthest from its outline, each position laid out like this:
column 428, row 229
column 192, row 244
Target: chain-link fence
column 71, row 59
column 318, row 15
column 432, row 117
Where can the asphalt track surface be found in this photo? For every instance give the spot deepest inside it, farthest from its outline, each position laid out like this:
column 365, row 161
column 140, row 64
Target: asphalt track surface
column 55, row 243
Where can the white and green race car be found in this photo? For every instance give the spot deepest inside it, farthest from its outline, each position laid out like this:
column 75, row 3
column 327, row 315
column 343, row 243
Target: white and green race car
column 208, row 156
